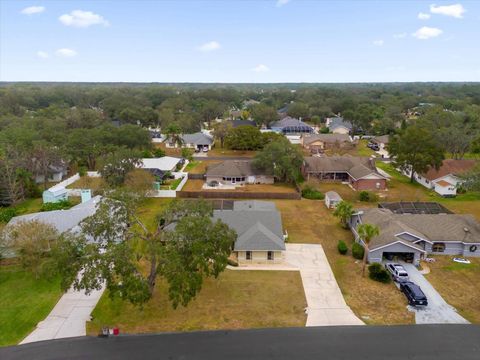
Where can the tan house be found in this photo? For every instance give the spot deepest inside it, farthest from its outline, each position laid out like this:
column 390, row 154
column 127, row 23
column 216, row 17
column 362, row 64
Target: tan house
column 318, row 143
column 237, row 172
column 359, row 172
column 258, row 224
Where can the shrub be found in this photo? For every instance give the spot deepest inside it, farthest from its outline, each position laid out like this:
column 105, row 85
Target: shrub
column 310, row 193
column 6, row 214
column 187, row 154
column 342, row 247
column 358, row 251
column 158, row 153
column 324, row 130
column 368, row 196
column 461, row 190
column 82, row 171
column 146, row 154
column 378, row 273
column 232, row 262
column 61, row 205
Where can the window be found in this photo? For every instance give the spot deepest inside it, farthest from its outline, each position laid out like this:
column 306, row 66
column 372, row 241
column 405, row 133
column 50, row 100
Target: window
column 270, row 255
column 239, row 179
column 248, row 255
column 438, row 247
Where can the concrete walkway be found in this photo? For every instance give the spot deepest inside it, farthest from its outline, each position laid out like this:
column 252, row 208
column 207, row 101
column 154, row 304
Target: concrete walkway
column 326, row 305
column 438, row 310
column 68, row 318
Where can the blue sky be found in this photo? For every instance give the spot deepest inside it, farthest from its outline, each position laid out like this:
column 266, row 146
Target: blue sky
column 240, row 41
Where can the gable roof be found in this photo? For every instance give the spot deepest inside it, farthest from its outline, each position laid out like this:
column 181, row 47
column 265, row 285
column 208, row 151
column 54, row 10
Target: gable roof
column 332, row 195
column 165, row 163
column 240, row 122
column 327, row 138
column 233, row 168
column 62, row 220
column 256, row 229
column 430, row 227
column 337, row 122
column 356, row 167
column 197, row 138
column 384, row 139
column 450, row 166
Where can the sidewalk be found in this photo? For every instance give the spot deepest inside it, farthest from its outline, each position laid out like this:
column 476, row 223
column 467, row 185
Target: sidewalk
column 68, row 318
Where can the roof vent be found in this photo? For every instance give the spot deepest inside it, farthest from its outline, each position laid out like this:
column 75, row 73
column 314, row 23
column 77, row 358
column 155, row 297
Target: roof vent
column 466, row 229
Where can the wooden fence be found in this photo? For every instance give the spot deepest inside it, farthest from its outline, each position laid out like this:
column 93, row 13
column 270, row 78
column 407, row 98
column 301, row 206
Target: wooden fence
column 237, row 195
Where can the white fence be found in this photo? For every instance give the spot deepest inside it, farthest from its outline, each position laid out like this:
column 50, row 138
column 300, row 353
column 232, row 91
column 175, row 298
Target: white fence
column 171, row 193
column 74, row 192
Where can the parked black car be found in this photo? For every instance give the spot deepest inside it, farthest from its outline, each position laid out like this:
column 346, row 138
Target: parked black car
column 414, row 294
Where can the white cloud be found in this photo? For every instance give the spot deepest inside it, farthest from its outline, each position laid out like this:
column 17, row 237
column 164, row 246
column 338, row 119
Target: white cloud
column 280, row 3
column 399, row 36
column 261, row 68
column 426, row 32
column 80, row 18
column 42, row 54
column 378, row 42
column 455, row 10
column 65, row 52
column 33, row 10
column 423, row 16
column 209, row 46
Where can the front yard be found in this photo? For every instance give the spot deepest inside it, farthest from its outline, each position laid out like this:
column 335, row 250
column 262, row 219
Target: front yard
column 458, row 284
column 309, row 221
column 236, row 300
column 24, row 301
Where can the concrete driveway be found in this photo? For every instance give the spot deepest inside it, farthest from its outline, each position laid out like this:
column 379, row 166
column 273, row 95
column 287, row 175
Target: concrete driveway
column 68, row 318
column 326, row 305
column 437, row 311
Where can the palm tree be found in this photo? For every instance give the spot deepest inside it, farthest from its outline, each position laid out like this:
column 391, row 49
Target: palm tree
column 366, row 232
column 344, row 212
column 174, row 134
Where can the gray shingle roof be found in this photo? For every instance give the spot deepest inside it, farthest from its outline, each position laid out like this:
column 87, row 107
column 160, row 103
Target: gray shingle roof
column 290, row 122
column 198, row 138
column 357, row 167
column 328, row 138
column 432, row 227
column 233, row 168
column 339, row 122
column 254, row 205
column 62, row 220
column 256, row 229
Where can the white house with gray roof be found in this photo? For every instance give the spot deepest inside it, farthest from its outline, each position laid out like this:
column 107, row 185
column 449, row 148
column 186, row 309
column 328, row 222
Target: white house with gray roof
column 198, row 141
column 260, row 237
column 411, row 237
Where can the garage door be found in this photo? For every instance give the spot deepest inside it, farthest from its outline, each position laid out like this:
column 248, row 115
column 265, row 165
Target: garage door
column 399, row 256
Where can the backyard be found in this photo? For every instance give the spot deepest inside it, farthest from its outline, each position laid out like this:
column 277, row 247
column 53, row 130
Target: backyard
column 309, row 221
column 86, row 182
column 458, row 285
column 24, row 301
column 196, row 185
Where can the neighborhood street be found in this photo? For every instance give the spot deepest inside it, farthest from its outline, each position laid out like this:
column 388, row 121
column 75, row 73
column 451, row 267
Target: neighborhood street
column 437, row 311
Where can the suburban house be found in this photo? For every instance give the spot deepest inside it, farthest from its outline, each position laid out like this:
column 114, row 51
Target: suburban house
column 198, row 141
column 337, row 125
column 289, row 125
column 381, row 141
column 445, row 180
column 237, row 172
column 240, row 122
column 411, row 237
column 56, row 174
column 62, row 220
column 359, row 172
column 260, row 237
column 318, row 143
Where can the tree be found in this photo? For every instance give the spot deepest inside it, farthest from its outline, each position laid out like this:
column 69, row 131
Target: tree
column 43, row 160
column 117, row 165
column 281, row 159
column 12, row 183
column 32, row 241
column 184, row 246
column 366, row 232
column 415, row 150
column 139, row 181
column 298, row 110
column 264, row 114
column 244, row 137
column 472, row 179
column 344, row 212
column 174, row 134
column 220, row 131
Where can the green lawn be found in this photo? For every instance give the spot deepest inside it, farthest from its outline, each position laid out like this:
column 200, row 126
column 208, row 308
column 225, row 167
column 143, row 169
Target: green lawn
column 24, row 301
column 191, row 165
column 236, row 300
column 29, row 206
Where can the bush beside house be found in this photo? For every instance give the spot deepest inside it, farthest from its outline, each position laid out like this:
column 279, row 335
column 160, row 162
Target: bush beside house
column 342, row 247
column 378, row 273
column 357, row 251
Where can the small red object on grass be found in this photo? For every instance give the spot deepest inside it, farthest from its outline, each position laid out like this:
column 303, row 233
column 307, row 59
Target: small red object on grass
column 116, row 331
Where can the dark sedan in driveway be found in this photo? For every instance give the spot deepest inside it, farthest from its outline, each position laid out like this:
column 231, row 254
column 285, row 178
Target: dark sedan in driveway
column 414, row 294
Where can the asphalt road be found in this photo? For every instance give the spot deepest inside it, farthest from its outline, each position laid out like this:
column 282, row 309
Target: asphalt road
column 420, row 342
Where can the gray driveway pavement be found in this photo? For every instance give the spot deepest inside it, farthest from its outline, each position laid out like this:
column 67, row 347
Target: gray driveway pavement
column 437, row 311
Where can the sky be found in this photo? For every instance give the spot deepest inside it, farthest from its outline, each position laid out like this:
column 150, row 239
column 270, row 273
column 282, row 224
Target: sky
column 239, row 41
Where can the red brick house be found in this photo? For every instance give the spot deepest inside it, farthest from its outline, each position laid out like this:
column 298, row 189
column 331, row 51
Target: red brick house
column 360, row 172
